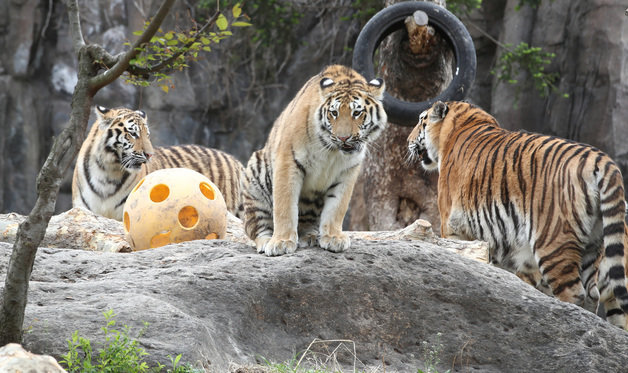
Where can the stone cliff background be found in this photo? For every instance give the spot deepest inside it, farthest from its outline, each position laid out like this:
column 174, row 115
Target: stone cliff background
column 229, row 99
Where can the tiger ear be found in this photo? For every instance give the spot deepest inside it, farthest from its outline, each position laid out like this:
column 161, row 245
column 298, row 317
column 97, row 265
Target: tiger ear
column 439, row 111
column 326, row 83
column 100, row 110
column 141, row 113
column 377, row 87
column 100, row 116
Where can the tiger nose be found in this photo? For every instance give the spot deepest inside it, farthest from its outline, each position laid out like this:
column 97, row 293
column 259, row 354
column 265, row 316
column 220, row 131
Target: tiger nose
column 148, row 155
column 343, row 138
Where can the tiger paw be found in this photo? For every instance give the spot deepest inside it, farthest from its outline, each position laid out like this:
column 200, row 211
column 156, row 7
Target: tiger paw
column 260, row 242
column 308, row 239
column 335, row 243
column 275, row 247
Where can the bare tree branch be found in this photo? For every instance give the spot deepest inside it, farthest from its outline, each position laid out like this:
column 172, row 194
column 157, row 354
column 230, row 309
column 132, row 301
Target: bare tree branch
column 122, row 65
column 75, row 25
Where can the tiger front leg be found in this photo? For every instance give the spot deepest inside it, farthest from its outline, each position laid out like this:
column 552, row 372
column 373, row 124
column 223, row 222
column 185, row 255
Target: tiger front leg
column 332, row 238
column 288, row 181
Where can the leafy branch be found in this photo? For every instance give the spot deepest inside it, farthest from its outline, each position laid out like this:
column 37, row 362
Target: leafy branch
column 171, row 51
column 531, row 59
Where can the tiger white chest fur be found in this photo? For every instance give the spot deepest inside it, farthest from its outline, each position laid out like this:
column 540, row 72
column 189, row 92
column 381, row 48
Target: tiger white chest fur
column 324, row 168
column 299, row 185
column 108, row 185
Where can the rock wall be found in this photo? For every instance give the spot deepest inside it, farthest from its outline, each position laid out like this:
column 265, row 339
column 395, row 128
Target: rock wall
column 230, row 98
column 590, row 40
column 227, row 100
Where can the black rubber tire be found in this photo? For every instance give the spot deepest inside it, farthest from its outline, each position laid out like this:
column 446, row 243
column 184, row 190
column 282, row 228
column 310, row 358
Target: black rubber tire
column 391, row 19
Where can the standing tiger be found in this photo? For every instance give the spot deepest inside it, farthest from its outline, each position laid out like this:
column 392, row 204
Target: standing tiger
column 299, row 184
column 117, row 154
column 541, row 202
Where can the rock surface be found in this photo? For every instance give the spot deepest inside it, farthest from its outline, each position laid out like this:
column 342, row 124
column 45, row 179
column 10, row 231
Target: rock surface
column 218, row 302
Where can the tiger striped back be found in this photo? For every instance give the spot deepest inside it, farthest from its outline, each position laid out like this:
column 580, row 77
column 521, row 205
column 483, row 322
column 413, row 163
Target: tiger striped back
column 541, row 202
column 117, row 154
column 221, row 168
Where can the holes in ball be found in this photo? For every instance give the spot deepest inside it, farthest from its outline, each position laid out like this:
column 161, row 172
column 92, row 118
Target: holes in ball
column 127, row 222
column 160, row 239
column 207, row 190
column 138, row 185
column 159, row 193
column 188, row 217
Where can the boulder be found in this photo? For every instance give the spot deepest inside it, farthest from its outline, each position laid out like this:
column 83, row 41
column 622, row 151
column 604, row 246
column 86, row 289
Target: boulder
column 15, row 359
column 380, row 303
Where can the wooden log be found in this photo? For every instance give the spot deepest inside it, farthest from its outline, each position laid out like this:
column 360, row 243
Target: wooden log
column 419, row 33
column 81, row 229
column 421, row 230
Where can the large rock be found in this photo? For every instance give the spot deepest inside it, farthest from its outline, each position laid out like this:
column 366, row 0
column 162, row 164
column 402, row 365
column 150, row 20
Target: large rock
column 14, row 359
column 218, row 302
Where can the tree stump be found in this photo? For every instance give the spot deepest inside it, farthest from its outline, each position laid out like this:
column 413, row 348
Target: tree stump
column 391, row 193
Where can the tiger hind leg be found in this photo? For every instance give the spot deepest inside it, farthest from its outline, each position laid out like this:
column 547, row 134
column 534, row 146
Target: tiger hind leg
column 562, row 274
column 590, row 262
column 535, row 279
column 309, row 218
column 257, row 200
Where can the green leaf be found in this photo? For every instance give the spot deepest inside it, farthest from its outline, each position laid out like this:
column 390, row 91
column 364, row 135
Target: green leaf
column 165, row 87
column 222, row 22
column 173, row 42
column 205, row 41
column 169, row 35
column 237, row 10
column 241, row 24
column 140, row 32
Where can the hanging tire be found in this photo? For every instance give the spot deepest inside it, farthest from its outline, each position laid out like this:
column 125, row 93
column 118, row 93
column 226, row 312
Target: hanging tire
column 391, row 19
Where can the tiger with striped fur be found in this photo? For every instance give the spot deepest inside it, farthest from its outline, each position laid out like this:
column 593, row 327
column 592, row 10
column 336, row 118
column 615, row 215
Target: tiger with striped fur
column 118, row 153
column 298, row 186
column 541, row 202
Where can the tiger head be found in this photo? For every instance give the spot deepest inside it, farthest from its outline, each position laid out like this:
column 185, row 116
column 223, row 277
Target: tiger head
column 423, row 141
column 351, row 113
column 127, row 137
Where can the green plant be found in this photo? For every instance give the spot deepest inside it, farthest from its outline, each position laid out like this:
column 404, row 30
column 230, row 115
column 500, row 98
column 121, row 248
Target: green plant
column 363, row 10
column 531, row 59
column 118, row 353
column 431, row 356
column 463, row 6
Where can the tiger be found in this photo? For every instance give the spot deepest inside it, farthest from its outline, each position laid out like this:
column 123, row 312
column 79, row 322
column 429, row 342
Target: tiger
column 541, row 202
column 298, row 186
column 117, row 153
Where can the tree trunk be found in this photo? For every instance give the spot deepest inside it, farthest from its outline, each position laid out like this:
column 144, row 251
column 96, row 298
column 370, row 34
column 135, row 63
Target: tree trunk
column 63, row 153
column 391, row 193
column 32, row 230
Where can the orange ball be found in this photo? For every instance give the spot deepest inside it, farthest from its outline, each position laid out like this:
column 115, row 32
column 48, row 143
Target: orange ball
column 173, row 205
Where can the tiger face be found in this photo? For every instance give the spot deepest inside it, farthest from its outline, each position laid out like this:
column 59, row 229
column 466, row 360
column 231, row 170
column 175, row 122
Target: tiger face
column 348, row 117
column 128, row 136
column 423, row 141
